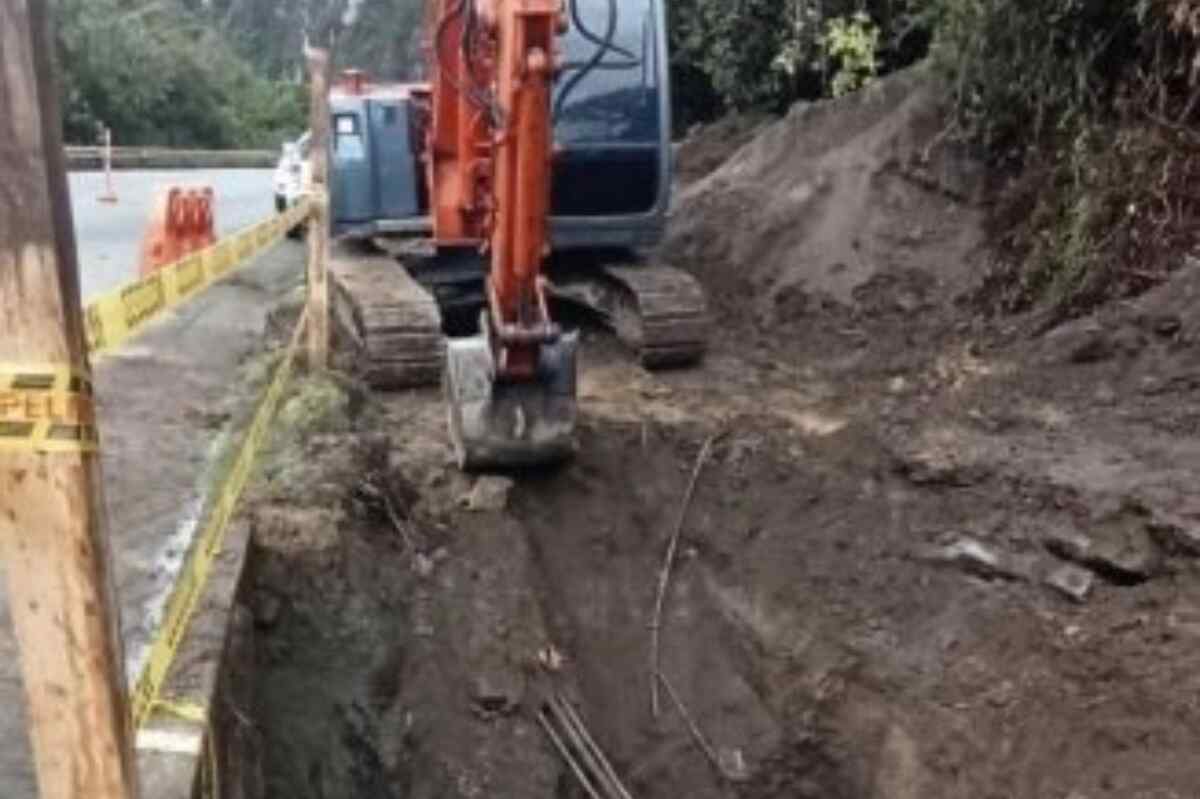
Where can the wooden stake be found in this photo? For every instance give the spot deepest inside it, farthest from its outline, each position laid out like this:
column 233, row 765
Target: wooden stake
column 319, row 64
column 694, row 728
column 110, row 194
column 51, row 524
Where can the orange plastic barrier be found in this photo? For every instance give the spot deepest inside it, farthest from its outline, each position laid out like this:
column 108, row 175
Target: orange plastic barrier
column 181, row 222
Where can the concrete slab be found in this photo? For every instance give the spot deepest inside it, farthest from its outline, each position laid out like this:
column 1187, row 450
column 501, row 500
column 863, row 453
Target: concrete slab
column 164, row 406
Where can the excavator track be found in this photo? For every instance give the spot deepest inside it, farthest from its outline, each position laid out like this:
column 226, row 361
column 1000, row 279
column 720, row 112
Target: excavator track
column 393, row 321
column 658, row 311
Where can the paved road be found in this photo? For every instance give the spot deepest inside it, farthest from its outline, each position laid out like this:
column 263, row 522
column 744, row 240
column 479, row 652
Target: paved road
column 110, row 236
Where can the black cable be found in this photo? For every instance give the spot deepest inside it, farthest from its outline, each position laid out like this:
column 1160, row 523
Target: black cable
column 631, row 61
column 587, row 34
column 479, row 96
column 604, row 66
column 604, row 45
column 439, row 37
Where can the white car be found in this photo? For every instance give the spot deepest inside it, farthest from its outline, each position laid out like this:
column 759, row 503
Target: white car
column 291, row 174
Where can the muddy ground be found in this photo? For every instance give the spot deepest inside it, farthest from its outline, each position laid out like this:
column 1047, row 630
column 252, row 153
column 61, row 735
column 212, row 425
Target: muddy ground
column 930, row 555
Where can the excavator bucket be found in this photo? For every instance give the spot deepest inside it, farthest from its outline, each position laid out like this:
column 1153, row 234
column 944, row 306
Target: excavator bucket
column 497, row 424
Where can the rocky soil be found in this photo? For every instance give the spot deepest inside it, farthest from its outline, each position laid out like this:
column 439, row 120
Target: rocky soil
column 927, row 554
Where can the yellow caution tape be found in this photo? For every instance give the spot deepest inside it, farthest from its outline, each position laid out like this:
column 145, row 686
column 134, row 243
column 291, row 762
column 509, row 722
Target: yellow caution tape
column 36, row 407
column 195, row 713
column 115, row 316
column 46, row 408
column 183, row 709
column 187, row 591
column 47, row 437
column 44, row 377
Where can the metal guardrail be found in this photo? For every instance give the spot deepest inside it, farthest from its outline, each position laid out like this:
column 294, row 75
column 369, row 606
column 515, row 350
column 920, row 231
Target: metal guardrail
column 92, row 158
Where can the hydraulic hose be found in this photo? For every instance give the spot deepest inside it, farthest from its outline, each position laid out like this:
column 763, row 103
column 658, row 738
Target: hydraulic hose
column 631, row 61
column 479, row 97
column 603, row 46
column 439, row 37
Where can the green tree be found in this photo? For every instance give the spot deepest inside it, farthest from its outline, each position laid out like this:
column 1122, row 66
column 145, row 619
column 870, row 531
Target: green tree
column 215, row 73
column 380, row 36
column 766, row 54
column 156, row 73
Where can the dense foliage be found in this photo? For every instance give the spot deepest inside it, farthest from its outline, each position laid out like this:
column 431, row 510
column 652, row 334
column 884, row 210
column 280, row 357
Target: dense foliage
column 223, row 73
column 156, row 74
column 213, row 73
column 1091, row 106
column 383, row 34
column 766, row 54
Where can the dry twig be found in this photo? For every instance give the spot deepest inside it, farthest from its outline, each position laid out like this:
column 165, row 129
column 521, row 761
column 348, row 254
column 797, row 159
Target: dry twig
column 664, row 576
column 693, row 728
column 397, row 522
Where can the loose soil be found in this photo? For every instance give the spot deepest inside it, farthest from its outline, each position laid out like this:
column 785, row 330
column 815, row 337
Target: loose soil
column 930, row 556
column 707, row 147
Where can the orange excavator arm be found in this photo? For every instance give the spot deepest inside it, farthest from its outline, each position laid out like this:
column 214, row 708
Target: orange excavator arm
column 512, row 388
column 490, row 151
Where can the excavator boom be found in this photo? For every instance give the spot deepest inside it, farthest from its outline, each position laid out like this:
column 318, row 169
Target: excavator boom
column 510, row 389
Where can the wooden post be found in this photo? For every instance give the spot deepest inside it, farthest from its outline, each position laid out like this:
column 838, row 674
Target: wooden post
column 318, row 228
column 110, row 194
column 51, row 525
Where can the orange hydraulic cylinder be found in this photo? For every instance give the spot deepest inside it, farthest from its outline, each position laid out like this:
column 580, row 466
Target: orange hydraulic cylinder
column 526, row 29
column 489, row 150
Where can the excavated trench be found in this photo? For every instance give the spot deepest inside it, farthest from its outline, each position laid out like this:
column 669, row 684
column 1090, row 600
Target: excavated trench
column 826, row 631
column 412, row 625
column 414, row 621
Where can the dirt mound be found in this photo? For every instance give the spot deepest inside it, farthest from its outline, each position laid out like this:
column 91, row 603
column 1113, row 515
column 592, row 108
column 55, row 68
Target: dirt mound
column 823, row 200
column 709, row 146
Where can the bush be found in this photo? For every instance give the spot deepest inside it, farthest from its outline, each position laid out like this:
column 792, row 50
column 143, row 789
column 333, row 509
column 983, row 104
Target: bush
column 852, row 43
